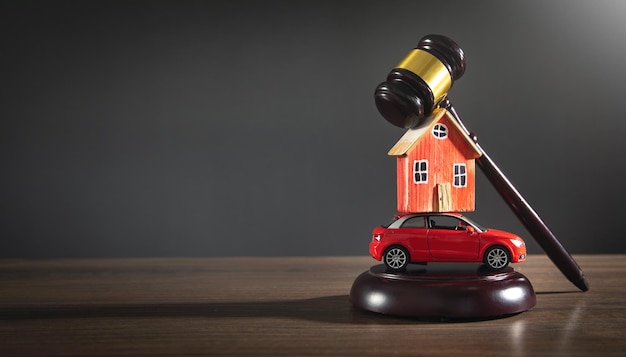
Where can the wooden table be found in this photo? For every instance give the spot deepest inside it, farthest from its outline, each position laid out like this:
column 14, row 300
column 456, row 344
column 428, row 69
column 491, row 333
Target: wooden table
column 284, row 306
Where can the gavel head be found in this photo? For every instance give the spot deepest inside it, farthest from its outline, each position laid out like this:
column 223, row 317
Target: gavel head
column 420, row 81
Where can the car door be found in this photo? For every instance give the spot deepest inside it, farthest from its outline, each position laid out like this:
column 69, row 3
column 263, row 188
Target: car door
column 448, row 239
column 413, row 234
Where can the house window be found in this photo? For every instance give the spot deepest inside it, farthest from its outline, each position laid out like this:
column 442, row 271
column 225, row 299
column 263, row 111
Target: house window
column 420, row 171
column 440, row 131
column 460, row 175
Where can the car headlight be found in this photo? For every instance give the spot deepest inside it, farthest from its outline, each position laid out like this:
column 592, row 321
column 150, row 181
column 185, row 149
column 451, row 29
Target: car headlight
column 517, row 242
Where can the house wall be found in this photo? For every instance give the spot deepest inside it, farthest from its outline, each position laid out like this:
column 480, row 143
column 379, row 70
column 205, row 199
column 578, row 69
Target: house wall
column 441, row 154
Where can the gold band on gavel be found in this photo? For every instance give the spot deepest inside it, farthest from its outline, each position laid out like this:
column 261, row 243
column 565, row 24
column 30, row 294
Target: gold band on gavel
column 430, row 70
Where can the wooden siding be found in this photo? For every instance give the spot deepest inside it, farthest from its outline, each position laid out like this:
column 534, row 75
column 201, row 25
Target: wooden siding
column 441, row 154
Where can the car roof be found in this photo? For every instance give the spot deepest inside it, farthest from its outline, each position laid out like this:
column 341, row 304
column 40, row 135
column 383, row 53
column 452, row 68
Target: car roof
column 454, row 214
column 400, row 218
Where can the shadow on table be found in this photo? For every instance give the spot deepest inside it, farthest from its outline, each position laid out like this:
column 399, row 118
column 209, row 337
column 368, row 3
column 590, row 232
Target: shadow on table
column 331, row 309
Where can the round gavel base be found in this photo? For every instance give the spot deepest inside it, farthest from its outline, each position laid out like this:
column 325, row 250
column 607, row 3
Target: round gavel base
column 443, row 291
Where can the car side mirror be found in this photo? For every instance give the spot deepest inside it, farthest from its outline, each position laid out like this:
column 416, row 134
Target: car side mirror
column 470, row 230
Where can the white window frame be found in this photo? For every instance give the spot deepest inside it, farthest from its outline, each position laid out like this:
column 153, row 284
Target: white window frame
column 459, row 174
column 417, row 170
column 440, row 131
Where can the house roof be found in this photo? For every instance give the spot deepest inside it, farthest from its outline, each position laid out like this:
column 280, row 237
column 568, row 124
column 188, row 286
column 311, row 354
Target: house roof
column 412, row 137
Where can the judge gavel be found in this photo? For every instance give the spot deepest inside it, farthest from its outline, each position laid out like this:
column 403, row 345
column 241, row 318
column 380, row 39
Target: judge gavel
column 419, row 84
column 420, row 81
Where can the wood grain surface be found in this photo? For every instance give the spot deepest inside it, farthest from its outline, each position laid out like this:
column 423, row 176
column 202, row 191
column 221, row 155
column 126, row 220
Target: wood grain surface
column 289, row 306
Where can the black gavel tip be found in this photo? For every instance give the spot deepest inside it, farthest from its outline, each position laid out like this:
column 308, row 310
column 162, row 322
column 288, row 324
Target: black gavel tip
column 398, row 105
column 447, row 51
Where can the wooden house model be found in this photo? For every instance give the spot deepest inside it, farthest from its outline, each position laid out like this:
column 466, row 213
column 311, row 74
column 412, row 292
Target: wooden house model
column 435, row 166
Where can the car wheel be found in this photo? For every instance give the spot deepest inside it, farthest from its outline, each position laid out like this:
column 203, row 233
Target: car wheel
column 396, row 258
column 497, row 257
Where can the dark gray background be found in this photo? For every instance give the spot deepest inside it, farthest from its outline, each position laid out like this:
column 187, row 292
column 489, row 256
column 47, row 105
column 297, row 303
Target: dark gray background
column 221, row 128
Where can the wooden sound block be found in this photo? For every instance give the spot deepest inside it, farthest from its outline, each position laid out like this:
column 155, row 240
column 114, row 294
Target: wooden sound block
column 443, row 291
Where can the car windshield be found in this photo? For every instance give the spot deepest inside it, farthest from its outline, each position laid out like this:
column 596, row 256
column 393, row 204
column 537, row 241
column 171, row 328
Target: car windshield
column 476, row 225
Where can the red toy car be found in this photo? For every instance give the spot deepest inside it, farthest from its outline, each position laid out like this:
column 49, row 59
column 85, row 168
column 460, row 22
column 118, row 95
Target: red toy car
column 443, row 237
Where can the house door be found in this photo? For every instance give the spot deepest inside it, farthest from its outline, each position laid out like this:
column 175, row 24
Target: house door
column 443, row 199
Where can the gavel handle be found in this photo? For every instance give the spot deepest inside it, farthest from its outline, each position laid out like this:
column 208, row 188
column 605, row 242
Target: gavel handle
column 525, row 213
